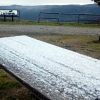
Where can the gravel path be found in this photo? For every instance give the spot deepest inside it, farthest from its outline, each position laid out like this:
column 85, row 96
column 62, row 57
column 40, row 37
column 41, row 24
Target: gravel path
column 40, row 29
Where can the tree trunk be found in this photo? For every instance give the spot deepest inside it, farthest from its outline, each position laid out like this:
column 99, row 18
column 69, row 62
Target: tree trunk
column 99, row 38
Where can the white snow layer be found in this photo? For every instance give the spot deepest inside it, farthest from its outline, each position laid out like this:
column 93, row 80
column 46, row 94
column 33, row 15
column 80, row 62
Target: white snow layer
column 58, row 73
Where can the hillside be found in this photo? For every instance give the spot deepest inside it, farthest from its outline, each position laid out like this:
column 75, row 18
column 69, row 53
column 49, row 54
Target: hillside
column 32, row 12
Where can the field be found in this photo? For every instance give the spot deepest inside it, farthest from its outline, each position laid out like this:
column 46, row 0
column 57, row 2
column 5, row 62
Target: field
column 10, row 89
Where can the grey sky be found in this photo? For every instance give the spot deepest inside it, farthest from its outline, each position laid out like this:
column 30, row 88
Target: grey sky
column 44, row 2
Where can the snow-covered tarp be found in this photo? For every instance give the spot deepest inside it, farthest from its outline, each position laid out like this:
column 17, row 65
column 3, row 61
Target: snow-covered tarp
column 55, row 72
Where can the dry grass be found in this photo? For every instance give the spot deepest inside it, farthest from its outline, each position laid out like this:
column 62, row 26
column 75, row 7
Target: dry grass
column 87, row 45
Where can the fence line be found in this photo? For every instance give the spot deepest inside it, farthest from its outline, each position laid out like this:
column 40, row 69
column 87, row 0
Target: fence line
column 42, row 17
column 79, row 17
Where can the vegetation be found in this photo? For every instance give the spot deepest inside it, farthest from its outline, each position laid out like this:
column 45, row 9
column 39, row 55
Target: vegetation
column 10, row 89
column 87, row 45
column 25, row 22
column 97, row 1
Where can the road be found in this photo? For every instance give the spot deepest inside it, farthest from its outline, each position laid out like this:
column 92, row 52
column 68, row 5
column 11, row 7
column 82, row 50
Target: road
column 40, row 29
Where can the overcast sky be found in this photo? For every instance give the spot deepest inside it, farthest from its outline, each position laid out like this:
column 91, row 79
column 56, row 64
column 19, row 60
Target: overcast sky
column 44, row 2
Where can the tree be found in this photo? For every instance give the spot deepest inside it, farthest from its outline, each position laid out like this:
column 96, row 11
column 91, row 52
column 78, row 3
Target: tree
column 97, row 1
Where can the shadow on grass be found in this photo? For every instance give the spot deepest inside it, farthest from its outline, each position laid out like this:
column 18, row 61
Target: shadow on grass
column 96, row 41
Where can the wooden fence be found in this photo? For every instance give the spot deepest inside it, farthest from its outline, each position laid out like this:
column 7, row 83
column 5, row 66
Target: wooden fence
column 80, row 18
column 45, row 13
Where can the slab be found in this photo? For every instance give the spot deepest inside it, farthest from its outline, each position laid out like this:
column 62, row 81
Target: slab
column 57, row 73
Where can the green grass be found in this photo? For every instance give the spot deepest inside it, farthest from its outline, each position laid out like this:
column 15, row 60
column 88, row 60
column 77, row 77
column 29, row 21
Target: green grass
column 10, row 89
column 27, row 22
column 7, row 82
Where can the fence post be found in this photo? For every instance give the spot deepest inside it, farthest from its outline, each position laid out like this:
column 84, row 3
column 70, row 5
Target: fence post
column 78, row 18
column 4, row 17
column 12, row 18
column 99, row 22
column 39, row 17
column 58, row 17
column 18, row 11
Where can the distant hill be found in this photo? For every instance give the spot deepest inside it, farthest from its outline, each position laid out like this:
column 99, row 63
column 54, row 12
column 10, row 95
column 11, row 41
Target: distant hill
column 32, row 12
